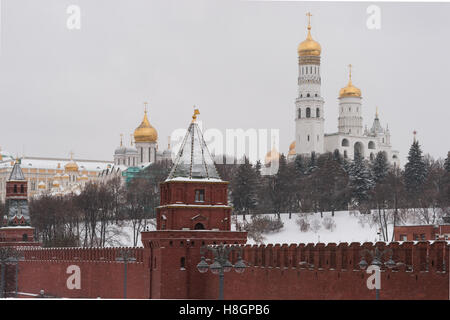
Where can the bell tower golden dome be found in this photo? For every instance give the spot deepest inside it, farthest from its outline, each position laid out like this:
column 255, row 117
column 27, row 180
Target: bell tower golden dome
column 145, row 132
column 350, row 90
column 309, row 47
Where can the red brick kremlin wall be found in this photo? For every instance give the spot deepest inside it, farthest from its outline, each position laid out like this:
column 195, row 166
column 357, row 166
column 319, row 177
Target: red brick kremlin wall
column 274, row 272
column 101, row 275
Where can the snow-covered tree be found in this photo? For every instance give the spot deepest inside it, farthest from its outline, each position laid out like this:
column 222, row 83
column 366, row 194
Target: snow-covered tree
column 361, row 180
column 447, row 162
column 415, row 171
column 300, row 165
column 244, row 188
column 380, row 167
column 312, row 164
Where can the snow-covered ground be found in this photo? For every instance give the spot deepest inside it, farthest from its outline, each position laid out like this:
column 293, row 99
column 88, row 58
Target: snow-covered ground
column 350, row 227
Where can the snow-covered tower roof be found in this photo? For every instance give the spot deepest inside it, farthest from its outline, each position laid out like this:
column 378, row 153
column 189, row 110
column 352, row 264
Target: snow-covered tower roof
column 193, row 160
column 16, row 173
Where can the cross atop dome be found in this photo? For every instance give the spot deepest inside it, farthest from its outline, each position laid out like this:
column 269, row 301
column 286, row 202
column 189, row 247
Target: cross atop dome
column 350, row 90
column 309, row 47
column 309, row 15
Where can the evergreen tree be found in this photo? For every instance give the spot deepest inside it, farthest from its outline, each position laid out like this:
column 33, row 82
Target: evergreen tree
column 258, row 169
column 244, row 188
column 312, row 164
column 338, row 157
column 299, row 165
column 361, row 180
column 415, row 171
column 447, row 162
column 282, row 186
column 380, row 167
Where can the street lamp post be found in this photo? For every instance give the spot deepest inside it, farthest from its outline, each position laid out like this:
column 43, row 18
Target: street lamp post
column 126, row 256
column 221, row 263
column 377, row 256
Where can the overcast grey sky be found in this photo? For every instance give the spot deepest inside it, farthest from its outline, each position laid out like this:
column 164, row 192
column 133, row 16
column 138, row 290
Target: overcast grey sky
column 63, row 90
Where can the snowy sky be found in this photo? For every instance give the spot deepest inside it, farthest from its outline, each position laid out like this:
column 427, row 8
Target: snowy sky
column 63, row 90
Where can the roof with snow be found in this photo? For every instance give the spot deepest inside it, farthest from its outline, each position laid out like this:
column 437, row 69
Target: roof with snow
column 194, row 162
column 16, row 173
column 56, row 163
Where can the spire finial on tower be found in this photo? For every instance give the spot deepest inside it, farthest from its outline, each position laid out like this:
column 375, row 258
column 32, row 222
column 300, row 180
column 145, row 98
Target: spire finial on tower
column 309, row 15
column 376, row 113
column 168, row 143
column 145, row 106
column 194, row 116
column 131, row 139
column 414, row 133
column 71, row 155
column 121, row 138
column 350, row 73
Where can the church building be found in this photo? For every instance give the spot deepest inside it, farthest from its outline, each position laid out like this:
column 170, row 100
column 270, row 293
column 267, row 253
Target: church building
column 351, row 137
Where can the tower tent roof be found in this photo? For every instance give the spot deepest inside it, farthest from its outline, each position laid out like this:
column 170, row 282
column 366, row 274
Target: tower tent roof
column 16, row 173
column 193, row 160
column 376, row 126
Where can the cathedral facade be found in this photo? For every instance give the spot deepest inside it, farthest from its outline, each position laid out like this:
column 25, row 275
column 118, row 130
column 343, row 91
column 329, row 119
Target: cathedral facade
column 142, row 151
column 351, row 137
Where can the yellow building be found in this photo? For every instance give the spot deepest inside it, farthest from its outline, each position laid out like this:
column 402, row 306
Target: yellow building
column 51, row 175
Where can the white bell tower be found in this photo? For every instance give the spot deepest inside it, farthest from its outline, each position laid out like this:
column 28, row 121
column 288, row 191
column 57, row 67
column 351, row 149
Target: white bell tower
column 350, row 119
column 309, row 115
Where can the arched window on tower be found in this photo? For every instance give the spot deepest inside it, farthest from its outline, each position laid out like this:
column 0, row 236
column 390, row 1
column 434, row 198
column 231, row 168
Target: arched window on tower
column 345, row 143
column 317, row 113
column 22, row 189
column 299, row 113
column 308, row 95
column 308, row 112
column 15, row 188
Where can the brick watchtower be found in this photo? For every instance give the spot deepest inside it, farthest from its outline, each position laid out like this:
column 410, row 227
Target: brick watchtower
column 17, row 230
column 193, row 212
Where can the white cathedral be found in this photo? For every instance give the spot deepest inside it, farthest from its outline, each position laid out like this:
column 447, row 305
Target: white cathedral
column 309, row 115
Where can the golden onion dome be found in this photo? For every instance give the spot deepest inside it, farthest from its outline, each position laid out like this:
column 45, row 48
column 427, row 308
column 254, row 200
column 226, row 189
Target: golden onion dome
column 71, row 166
column 309, row 47
column 292, row 149
column 41, row 185
column 350, row 90
column 55, row 183
column 272, row 155
column 145, row 132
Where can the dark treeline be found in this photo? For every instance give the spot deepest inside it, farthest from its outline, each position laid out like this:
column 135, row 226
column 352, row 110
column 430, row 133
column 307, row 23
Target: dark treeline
column 329, row 183
column 95, row 216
